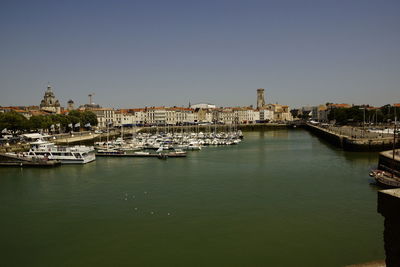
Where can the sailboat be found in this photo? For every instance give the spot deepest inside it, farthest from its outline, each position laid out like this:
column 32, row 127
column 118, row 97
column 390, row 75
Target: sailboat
column 108, row 150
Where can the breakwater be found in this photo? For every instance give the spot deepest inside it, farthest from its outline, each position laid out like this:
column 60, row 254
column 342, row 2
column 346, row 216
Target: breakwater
column 345, row 140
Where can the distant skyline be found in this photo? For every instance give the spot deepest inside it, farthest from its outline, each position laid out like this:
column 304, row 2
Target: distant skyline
column 152, row 53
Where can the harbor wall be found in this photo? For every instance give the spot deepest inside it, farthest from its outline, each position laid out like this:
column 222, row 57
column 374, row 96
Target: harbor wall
column 351, row 144
column 388, row 207
column 332, row 138
column 387, row 163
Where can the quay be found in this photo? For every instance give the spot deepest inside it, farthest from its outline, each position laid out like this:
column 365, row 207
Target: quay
column 389, row 163
column 74, row 138
column 388, row 207
column 7, row 160
column 353, row 139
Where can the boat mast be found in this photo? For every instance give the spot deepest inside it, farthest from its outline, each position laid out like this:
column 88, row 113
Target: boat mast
column 107, row 134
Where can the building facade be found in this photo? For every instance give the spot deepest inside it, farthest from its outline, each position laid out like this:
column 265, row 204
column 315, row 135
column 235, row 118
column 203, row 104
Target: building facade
column 49, row 101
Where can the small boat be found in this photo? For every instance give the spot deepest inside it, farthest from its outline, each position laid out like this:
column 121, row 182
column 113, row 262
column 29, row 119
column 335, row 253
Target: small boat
column 385, row 178
column 178, row 153
column 144, row 153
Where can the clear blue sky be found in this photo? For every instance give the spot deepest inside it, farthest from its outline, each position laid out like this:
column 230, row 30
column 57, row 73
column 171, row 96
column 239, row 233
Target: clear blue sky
column 144, row 53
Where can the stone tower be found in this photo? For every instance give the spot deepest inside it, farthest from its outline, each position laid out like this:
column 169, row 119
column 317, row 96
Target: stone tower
column 49, row 102
column 260, row 98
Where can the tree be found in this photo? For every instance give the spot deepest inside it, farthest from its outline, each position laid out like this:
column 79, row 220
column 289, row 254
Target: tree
column 88, row 117
column 13, row 121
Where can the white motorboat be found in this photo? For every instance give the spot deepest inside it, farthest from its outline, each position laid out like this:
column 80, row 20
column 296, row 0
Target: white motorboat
column 66, row 155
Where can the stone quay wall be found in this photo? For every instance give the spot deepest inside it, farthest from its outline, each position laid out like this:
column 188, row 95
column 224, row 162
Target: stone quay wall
column 349, row 143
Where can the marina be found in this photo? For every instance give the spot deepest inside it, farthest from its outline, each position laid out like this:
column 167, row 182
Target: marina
column 220, row 200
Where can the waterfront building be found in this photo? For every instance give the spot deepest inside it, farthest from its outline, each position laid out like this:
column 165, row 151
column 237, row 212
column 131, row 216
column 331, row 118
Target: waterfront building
column 281, row 112
column 227, row 116
column 203, row 115
column 183, row 115
column 105, row 116
column 49, row 101
column 266, row 115
column 320, row 113
column 139, row 116
column 260, row 98
column 124, row 118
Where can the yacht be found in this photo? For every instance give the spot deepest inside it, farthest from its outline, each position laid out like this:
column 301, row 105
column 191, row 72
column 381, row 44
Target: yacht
column 66, row 155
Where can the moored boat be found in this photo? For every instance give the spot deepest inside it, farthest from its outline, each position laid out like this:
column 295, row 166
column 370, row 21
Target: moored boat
column 385, row 178
column 66, row 155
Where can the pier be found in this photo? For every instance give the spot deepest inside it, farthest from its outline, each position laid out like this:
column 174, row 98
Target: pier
column 353, row 139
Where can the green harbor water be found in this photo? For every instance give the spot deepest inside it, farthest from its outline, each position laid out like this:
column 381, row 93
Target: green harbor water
column 280, row 198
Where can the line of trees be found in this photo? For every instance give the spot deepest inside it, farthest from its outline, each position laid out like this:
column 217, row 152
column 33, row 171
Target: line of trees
column 16, row 123
column 384, row 114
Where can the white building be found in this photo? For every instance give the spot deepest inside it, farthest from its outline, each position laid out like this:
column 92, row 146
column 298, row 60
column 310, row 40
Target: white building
column 104, row 116
column 123, row 117
column 266, row 115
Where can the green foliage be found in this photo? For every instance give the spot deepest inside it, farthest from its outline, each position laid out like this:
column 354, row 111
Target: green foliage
column 13, row 121
column 357, row 114
column 88, row 117
column 16, row 122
